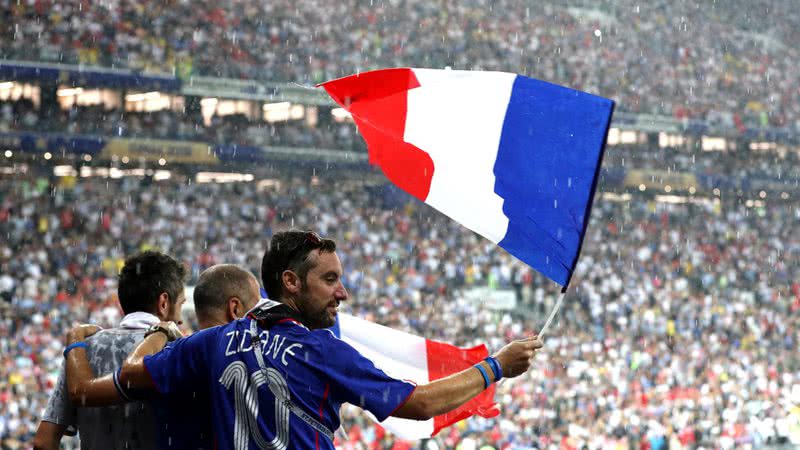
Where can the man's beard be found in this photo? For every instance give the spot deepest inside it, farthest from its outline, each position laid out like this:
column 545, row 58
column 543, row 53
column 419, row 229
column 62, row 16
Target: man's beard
column 313, row 319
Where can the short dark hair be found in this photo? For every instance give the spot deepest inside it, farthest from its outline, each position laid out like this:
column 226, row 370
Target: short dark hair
column 288, row 250
column 145, row 276
column 219, row 283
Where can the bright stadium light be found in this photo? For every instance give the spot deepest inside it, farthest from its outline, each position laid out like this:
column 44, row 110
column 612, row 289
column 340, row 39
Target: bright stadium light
column 9, row 153
column 277, row 106
column 341, row 114
column 162, row 162
column 47, row 155
column 125, row 160
column 87, row 157
column 277, row 112
column 223, row 177
column 64, row 171
column 6, row 85
column 69, row 92
column 142, row 97
column 613, row 136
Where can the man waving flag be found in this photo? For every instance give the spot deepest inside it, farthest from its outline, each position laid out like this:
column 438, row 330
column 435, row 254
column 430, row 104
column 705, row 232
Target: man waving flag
column 512, row 158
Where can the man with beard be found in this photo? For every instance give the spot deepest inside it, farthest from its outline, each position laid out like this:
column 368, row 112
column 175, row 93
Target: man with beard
column 278, row 377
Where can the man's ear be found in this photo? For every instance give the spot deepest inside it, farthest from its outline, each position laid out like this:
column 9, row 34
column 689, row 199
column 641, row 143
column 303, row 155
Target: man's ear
column 291, row 282
column 236, row 309
column 162, row 306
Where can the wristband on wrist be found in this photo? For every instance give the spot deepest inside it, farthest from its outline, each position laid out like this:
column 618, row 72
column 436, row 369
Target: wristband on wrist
column 496, row 369
column 159, row 329
column 483, row 374
column 75, row 345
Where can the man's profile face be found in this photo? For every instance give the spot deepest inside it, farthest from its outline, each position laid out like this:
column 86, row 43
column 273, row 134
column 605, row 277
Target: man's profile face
column 174, row 312
column 322, row 291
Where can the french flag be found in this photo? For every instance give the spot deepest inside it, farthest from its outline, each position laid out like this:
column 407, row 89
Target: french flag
column 512, row 158
column 406, row 356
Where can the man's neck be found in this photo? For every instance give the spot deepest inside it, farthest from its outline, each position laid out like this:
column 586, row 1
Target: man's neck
column 290, row 303
column 211, row 322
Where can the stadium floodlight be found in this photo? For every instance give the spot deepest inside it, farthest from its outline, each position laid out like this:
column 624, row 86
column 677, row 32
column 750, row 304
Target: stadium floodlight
column 276, row 106
column 69, row 92
column 341, row 114
column 143, row 96
column 65, row 171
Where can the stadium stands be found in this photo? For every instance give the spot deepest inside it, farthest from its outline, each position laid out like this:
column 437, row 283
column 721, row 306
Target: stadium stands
column 683, row 325
column 730, row 62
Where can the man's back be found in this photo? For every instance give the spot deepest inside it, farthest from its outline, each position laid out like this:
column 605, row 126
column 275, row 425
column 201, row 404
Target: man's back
column 128, row 426
column 311, row 372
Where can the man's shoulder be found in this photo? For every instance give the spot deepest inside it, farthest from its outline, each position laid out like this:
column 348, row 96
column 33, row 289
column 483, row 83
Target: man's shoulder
column 112, row 345
column 115, row 338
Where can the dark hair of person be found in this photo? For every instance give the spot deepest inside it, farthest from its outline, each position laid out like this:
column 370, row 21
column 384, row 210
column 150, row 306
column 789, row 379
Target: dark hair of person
column 145, row 276
column 289, row 250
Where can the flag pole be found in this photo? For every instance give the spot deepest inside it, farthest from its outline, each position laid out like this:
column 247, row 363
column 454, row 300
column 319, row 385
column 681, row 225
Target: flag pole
column 553, row 312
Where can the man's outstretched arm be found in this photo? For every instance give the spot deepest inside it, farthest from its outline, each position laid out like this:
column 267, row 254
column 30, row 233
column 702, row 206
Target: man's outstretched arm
column 446, row 394
column 87, row 390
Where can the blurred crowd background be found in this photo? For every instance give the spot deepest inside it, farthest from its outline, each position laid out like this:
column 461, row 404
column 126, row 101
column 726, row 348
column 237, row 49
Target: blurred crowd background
column 726, row 61
column 681, row 327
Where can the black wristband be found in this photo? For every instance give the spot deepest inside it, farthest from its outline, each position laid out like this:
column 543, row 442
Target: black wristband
column 158, row 329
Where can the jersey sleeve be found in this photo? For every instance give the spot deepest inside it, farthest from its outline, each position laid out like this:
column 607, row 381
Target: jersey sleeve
column 355, row 379
column 59, row 407
column 182, row 366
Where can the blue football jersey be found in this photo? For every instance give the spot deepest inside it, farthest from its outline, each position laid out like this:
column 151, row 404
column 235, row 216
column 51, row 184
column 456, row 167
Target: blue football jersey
column 183, row 421
column 311, row 373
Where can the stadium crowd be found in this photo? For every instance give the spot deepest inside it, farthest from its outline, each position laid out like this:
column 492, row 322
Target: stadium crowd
column 727, row 62
column 680, row 331
column 22, row 115
column 99, row 120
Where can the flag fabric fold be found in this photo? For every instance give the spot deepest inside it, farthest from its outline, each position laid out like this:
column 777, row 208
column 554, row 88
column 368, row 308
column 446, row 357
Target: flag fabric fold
column 512, row 158
column 406, row 356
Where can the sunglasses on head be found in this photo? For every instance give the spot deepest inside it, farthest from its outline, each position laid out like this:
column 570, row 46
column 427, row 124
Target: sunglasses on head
column 311, row 240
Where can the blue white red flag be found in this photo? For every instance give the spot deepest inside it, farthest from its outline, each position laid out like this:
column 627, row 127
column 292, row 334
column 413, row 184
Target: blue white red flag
column 512, row 158
column 408, row 357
